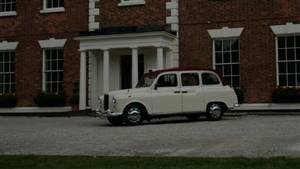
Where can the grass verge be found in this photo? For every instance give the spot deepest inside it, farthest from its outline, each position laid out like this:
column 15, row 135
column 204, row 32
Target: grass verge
column 83, row 162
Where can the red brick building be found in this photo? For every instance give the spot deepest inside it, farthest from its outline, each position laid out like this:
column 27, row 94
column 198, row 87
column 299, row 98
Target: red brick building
column 37, row 47
column 50, row 45
column 254, row 43
column 126, row 38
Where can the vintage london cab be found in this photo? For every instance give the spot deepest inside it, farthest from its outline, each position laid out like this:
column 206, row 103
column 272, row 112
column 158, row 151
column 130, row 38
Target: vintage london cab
column 189, row 92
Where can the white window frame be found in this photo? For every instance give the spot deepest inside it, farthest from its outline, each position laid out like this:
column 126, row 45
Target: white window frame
column 223, row 34
column 8, row 13
column 51, row 43
column 51, row 10
column 9, row 73
column 45, row 71
column 288, row 29
column 131, row 2
column 277, row 62
column 231, row 63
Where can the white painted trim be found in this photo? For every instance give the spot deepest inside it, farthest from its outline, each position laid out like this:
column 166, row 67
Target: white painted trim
column 9, row 13
column 106, row 69
column 52, row 10
column 159, row 58
column 132, row 2
column 52, row 43
column 214, row 54
column 277, row 65
column 83, row 81
column 288, row 28
column 150, row 39
column 135, row 67
column 93, row 11
column 173, row 18
column 35, row 110
column 268, row 106
column 44, row 71
column 172, row 5
column 225, row 32
column 4, row 45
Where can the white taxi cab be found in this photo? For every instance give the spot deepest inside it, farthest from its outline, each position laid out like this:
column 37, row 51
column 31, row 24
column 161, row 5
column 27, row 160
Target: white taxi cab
column 189, row 92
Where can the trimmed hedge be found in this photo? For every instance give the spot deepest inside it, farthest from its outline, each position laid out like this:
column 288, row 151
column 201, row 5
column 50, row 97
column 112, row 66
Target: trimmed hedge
column 286, row 95
column 8, row 101
column 50, row 100
column 240, row 95
column 75, row 99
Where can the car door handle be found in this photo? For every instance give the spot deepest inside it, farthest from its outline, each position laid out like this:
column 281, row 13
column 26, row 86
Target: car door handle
column 177, row 92
column 184, row 92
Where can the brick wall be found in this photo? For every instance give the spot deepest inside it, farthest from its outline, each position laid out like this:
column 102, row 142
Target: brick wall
column 257, row 50
column 28, row 27
column 111, row 15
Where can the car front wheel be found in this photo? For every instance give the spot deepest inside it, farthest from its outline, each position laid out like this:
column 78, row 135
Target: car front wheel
column 133, row 115
column 214, row 112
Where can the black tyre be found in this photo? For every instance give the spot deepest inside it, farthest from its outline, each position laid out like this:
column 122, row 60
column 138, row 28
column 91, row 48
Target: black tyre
column 214, row 111
column 193, row 117
column 116, row 121
column 134, row 115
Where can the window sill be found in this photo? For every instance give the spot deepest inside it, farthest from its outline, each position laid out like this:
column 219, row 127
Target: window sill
column 132, row 3
column 10, row 13
column 52, row 10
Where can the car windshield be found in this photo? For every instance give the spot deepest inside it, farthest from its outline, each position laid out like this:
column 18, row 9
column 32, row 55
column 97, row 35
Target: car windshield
column 146, row 81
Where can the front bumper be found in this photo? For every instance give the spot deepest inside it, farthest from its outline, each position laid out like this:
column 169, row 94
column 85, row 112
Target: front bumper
column 108, row 113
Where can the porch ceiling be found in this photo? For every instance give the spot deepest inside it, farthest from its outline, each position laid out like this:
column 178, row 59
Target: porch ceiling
column 129, row 40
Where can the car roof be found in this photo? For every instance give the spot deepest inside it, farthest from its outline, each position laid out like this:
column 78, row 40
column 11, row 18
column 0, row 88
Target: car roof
column 177, row 69
column 187, row 68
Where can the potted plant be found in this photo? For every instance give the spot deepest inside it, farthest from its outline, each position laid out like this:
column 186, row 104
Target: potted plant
column 75, row 98
column 240, row 95
column 8, row 100
column 50, row 100
column 286, row 95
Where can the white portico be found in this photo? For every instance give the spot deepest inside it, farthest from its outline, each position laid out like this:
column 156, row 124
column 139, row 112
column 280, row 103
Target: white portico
column 117, row 61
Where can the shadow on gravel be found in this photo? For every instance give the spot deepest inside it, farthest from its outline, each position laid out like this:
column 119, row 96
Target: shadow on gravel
column 167, row 121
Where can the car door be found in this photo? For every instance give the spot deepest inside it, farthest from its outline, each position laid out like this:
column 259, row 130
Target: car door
column 166, row 94
column 192, row 99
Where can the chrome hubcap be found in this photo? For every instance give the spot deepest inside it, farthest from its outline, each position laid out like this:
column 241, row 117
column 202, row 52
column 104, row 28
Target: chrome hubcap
column 134, row 115
column 215, row 111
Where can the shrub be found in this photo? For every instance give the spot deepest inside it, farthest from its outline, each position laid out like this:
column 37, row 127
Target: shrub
column 286, row 95
column 8, row 101
column 240, row 95
column 50, row 100
column 75, row 99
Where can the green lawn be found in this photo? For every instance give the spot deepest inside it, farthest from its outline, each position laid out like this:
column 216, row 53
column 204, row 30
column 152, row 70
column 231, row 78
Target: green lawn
column 79, row 162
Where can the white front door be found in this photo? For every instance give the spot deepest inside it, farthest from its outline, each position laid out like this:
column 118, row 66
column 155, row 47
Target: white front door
column 166, row 96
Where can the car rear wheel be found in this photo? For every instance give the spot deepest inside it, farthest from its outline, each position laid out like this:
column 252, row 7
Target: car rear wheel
column 116, row 121
column 134, row 115
column 214, row 112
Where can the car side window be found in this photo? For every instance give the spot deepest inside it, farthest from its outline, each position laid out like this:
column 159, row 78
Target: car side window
column 190, row 79
column 210, row 79
column 167, row 80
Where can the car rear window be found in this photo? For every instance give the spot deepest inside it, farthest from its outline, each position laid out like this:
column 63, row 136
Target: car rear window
column 210, row 79
column 190, row 79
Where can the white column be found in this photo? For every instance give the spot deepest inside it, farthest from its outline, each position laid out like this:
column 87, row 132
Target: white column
column 135, row 69
column 94, row 93
column 83, row 81
column 160, row 58
column 106, row 71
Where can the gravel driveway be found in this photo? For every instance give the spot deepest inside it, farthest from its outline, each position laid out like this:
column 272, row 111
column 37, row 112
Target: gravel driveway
column 249, row 136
